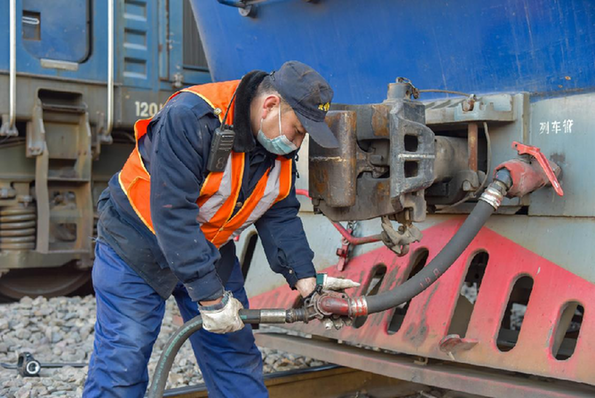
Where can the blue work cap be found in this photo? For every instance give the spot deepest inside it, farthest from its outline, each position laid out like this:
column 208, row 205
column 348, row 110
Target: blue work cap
column 310, row 96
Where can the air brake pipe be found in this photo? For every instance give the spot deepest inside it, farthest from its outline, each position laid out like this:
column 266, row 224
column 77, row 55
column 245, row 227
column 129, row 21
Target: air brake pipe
column 360, row 306
column 354, row 240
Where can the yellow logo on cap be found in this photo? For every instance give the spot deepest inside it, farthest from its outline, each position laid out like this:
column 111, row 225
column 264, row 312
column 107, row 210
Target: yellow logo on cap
column 324, row 107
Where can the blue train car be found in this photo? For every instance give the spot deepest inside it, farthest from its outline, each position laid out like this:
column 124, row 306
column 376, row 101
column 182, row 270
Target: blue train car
column 542, row 47
column 487, row 73
column 74, row 77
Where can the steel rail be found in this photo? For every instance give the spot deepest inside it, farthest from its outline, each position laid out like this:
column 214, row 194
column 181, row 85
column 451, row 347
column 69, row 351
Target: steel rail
column 327, row 381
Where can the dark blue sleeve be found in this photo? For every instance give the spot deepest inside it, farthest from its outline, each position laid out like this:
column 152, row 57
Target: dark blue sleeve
column 284, row 239
column 180, row 146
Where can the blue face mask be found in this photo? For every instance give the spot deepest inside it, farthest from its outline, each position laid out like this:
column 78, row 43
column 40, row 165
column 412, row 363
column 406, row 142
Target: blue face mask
column 279, row 145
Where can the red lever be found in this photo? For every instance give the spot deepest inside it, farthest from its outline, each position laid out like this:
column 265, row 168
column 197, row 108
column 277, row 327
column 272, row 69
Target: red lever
column 543, row 162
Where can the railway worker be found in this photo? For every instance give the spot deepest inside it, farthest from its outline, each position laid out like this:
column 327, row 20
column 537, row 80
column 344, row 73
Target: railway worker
column 166, row 226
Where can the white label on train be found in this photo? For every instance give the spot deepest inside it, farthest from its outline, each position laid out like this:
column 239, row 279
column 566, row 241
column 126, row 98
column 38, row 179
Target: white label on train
column 556, row 127
column 147, row 109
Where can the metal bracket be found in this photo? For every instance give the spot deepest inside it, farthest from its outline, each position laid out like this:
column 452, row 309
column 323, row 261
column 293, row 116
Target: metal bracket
column 8, row 130
column 399, row 240
column 178, row 81
column 245, row 7
column 345, row 249
column 453, row 343
column 36, row 132
column 472, row 109
column 343, row 253
column 103, row 135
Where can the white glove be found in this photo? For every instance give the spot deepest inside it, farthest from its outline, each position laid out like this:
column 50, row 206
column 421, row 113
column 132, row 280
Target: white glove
column 331, row 283
column 223, row 317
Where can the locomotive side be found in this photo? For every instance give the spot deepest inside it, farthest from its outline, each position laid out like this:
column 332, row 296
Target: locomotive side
column 74, row 77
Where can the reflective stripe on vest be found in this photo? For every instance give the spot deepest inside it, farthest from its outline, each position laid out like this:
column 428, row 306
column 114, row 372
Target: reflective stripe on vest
column 271, row 188
column 219, row 193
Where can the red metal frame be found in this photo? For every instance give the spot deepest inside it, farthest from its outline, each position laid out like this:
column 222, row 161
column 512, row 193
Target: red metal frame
column 429, row 314
column 479, row 381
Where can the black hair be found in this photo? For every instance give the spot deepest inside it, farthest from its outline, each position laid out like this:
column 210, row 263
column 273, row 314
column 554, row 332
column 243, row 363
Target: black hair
column 266, row 88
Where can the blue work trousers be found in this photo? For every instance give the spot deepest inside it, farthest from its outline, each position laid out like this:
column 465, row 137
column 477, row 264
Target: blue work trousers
column 129, row 315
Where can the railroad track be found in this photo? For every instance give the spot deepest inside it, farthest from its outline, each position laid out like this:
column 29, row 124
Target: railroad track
column 330, row 381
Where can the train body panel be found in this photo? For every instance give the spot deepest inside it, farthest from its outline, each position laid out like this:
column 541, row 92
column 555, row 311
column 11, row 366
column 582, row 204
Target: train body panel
column 59, row 39
column 58, row 155
column 518, row 298
column 540, row 46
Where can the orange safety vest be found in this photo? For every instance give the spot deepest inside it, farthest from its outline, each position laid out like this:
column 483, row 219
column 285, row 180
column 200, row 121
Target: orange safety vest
column 220, row 190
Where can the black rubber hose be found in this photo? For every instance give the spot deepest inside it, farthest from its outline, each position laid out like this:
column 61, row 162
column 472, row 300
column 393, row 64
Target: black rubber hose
column 431, row 272
column 378, row 303
column 174, row 344
column 448, row 255
column 172, row 347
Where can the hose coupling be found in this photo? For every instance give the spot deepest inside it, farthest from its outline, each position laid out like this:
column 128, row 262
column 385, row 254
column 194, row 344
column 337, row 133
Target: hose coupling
column 342, row 305
column 494, row 194
column 358, row 306
column 273, row 315
column 296, row 315
column 278, row 315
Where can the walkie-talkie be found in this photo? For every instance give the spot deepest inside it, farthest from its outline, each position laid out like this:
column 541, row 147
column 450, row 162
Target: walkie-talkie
column 221, row 146
column 222, row 142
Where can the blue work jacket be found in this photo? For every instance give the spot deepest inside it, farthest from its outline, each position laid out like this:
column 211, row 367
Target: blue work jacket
column 176, row 149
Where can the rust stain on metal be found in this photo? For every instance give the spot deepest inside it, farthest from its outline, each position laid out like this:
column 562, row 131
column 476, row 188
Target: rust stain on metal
column 380, row 120
column 318, row 181
column 472, row 145
column 417, row 332
column 381, row 192
column 332, row 171
column 391, row 276
column 558, row 158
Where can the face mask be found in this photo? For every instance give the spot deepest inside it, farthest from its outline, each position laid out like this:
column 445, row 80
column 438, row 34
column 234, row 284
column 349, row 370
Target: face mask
column 279, row 145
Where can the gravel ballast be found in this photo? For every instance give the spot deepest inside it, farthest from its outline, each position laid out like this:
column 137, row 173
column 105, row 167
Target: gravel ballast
column 61, row 330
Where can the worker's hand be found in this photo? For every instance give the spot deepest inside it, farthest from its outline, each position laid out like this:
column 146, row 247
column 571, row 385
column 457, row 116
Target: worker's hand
column 307, row 286
column 223, row 317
